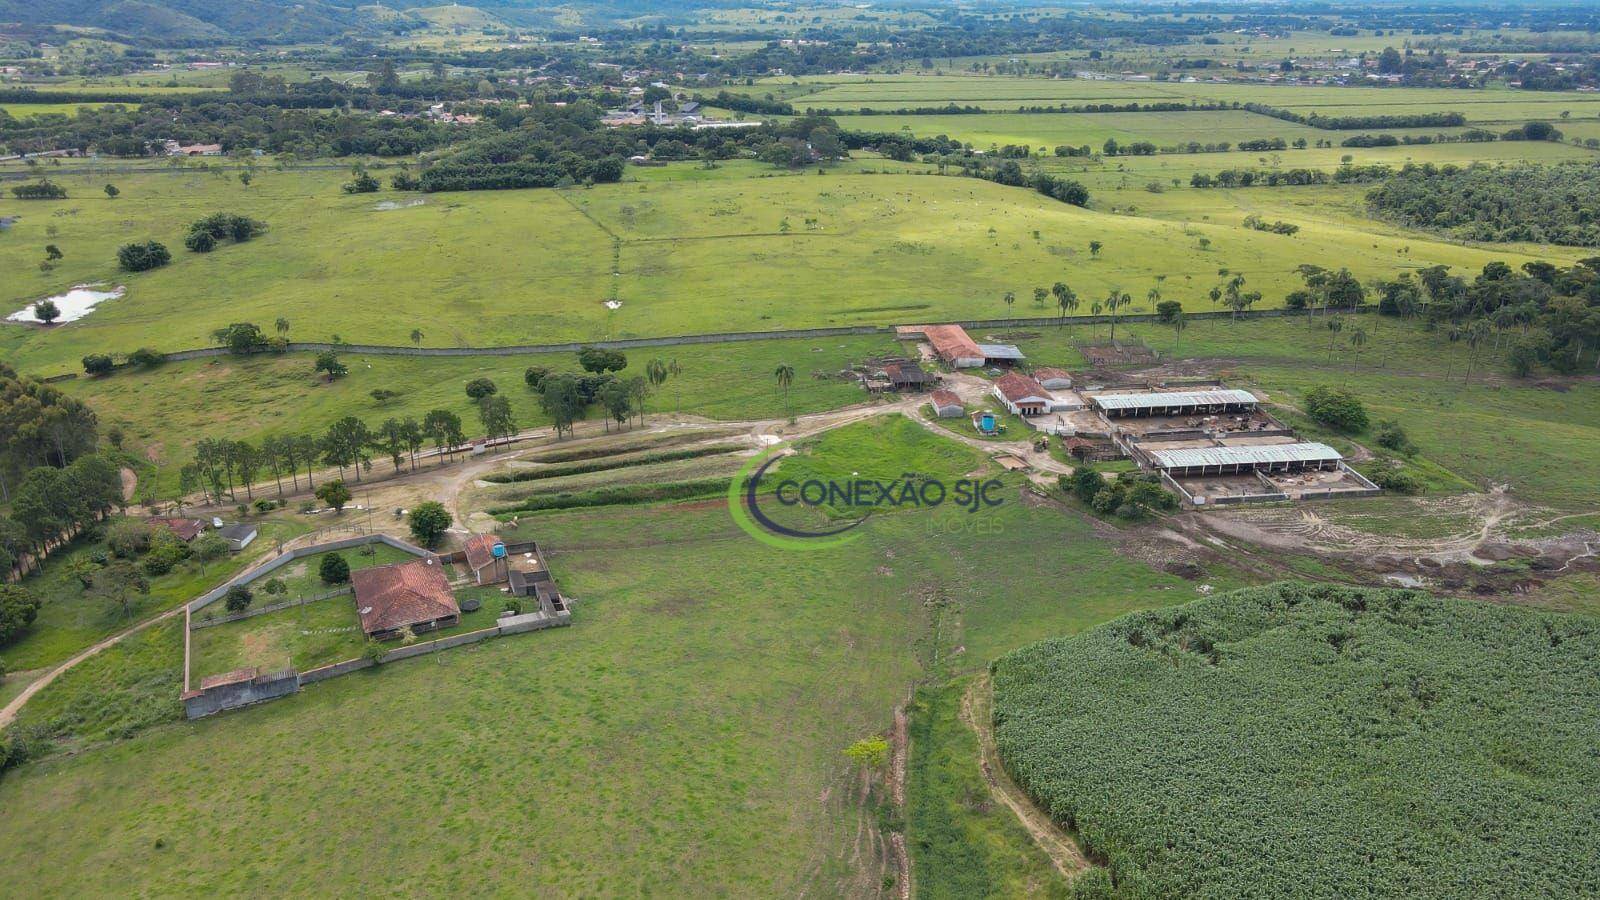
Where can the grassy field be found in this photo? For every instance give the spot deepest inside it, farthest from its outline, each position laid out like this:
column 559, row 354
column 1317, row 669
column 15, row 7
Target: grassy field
column 734, row 251
column 994, row 92
column 708, row 685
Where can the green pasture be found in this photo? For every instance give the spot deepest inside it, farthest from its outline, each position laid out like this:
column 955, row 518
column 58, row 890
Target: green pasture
column 165, row 410
column 738, row 251
column 26, row 110
column 709, row 684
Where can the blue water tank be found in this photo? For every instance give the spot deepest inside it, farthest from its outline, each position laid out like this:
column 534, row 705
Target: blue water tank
column 498, row 551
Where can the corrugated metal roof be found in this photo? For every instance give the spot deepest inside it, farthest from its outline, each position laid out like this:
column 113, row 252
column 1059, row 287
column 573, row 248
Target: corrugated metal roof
column 1174, row 398
column 1194, row 457
column 1000, row 351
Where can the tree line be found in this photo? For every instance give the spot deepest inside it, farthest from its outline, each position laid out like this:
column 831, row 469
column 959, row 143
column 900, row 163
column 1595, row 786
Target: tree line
column 1540, row 204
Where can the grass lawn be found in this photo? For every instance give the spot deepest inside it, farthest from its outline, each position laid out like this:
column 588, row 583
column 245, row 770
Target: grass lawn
column 708, row 685
column 305, row 636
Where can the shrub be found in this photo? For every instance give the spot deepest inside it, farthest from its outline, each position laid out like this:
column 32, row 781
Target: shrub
column 127, row 538
column 1394, row 437
column 333, row 569
column 333, row 493
column 1393, row 478
column 143, row 257
column 428, row 522
column 200, row 242
column 98, row 364
column 1084, row 483
column 238, row 598
column 146, row 358
column 479, row 388
column 1336, row 408
column 166, row 551
column 18, row 608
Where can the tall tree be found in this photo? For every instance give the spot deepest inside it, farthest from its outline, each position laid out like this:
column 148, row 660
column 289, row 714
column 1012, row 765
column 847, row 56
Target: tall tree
column 784, row 373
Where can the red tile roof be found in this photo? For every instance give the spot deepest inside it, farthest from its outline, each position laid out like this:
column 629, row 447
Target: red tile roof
column 480, row 550
column 1017, row 388
column 945, row 398
column 951, row 342
column 185, row 529
column 1047, row 373
column 408, row 593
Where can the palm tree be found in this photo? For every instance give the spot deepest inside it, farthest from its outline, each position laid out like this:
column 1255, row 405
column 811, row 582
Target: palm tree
column 1066, row 299
column 1179, row 323
column 785, row 375
column 1009, row 298
column 1358, row 337
column 1094, row 310
column 416, row 337
column 655, row 371
column 1477, row 333
column 1335, row 325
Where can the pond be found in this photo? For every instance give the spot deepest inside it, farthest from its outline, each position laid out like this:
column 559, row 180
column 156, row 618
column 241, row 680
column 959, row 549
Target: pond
column 74, row 304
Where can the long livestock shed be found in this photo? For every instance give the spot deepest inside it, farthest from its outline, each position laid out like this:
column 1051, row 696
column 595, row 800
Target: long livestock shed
column 1174, row 403
column 1189, row 461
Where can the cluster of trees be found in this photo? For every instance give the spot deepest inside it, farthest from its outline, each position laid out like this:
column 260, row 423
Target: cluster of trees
column 222, row 467
column 1345, row 174
column 1255, row 221
column 50, row 506
column 1010, row 172
column 1470, row 136
column 1131, row 495
column 954, row 109
column 1361, row 123
column 44, row 189
column 1541, row 314
column 566, row 397
column 205, row 234
column 1540, row 204
column 39, row 426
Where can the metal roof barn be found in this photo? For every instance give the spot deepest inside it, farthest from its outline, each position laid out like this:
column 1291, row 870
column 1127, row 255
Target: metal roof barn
column 1174, row 400
column 1266, row 455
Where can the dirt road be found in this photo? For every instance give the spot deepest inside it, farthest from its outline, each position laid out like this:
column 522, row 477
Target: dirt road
column 1057, row 844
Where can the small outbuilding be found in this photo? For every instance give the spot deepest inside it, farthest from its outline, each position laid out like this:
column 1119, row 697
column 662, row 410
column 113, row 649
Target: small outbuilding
column 486, row 558
column 238, row 535
column 1052, row 378
column 946, row 404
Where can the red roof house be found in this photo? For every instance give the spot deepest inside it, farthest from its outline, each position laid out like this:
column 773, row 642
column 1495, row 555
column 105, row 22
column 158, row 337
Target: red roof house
column 413, row 595
column 1022, row 395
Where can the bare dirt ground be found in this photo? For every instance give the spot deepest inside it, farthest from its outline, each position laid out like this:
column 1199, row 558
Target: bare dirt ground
column 1057, row 844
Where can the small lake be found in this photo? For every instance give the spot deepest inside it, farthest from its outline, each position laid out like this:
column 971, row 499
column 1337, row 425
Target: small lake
column 74, row 304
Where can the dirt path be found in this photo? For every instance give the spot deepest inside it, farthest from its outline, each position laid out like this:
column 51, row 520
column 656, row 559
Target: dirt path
column 9, row 713
column 1047, row 835
column 130, row 482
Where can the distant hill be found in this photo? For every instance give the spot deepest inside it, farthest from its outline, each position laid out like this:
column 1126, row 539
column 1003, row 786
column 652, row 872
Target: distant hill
column 179, row 21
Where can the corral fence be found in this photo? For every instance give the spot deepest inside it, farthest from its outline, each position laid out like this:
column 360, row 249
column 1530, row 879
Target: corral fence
column 240, row 616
